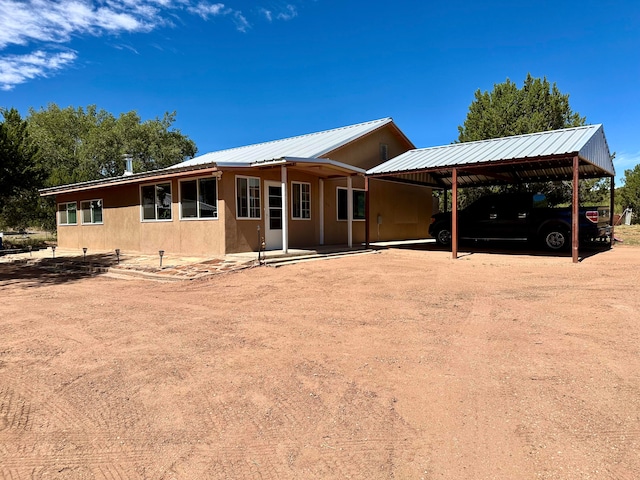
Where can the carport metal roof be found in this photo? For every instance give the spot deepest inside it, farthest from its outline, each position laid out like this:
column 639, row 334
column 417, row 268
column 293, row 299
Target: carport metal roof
column 566, row 154
column 523, row 158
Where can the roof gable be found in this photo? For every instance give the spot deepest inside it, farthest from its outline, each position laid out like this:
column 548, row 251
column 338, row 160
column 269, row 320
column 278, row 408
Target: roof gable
column 312, row 145
column 588, row 142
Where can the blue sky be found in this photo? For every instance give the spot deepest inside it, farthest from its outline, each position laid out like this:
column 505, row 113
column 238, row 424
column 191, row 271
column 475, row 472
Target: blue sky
column 242, row 72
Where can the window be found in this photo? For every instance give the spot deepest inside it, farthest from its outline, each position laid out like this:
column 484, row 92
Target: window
column 247, row 197
column 91, row 211
column 300, row 200
column 199, row 198
column 156, row 202
column 358, row 204
column 68, row 213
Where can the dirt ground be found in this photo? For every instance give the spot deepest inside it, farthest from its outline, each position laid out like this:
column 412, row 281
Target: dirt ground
column 402, row 364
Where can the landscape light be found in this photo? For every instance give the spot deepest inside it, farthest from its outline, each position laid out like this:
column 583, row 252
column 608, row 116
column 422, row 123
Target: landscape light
column 53, row 249
column 161, row 253
column 118, row 255
column 84, row 254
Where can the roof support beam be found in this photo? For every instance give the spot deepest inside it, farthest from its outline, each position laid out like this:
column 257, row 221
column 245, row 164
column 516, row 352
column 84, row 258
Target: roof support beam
column 575, row 204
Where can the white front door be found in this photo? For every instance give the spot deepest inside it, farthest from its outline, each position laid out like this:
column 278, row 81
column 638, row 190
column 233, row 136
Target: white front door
column 273, row 215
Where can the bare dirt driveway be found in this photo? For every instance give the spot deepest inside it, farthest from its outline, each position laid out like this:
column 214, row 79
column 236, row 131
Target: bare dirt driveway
column 403, row 364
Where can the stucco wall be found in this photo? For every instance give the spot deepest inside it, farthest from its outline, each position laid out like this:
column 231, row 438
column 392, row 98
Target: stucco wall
column 122, row 226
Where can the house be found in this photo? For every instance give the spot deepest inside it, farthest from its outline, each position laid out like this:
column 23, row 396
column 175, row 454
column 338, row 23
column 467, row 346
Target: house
column 297, row 192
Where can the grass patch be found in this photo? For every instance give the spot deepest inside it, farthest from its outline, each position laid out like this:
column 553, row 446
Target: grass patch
column 629, row 234
column 34, row 240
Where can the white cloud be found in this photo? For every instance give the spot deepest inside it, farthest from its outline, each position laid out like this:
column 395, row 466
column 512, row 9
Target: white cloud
column 16, row 69
column 37, row 24
column 267, row 14
column 289, row 13
column 205, row 10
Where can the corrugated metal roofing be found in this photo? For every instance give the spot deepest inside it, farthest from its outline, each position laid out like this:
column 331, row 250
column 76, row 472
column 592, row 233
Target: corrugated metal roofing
column 588, row 142
column 312, row 145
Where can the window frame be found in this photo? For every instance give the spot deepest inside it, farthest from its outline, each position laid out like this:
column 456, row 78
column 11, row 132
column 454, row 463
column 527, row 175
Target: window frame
column 354, row 191
column 66, row 210
column 259, row 197
column 301, row 200
column 155, row 204
column 197, row 180
column 91, row 209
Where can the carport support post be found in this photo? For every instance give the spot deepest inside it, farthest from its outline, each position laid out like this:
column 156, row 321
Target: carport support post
column 454, row 213
column 612, row 208
column 575, row 210
column 349, row 211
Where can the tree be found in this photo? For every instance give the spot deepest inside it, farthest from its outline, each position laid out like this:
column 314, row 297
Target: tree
column 20, row 174
column 629, row 193
column 88, row 144
column 508, row 110
column 77, row 145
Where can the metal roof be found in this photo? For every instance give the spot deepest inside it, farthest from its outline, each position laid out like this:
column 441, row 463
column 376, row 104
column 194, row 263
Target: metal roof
column 303, row 150
column 533, row 157
column 312, row 145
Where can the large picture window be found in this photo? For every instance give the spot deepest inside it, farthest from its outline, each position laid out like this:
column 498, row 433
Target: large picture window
column 358, row 203
column 91, row 211
column 156, row 202
column 199, row 198
column 247, row 197
column 300, row 200
column 68, row 213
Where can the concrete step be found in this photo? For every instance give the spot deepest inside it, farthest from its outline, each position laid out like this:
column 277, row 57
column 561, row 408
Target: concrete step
column 290, row 260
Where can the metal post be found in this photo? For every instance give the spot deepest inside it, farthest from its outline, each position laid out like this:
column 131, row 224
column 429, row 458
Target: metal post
column 367, row 221
column 611, row 211
column 575, row 210
column 454, row 213
column 321, row 213
column 285, row 211
column 349, row 212
column 259, row 245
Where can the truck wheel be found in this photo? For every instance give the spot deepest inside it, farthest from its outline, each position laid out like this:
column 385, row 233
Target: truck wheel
column 443, row 236
column 556, row 238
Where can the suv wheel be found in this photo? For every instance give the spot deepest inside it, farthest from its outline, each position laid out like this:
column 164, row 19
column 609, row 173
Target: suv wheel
column 556, row 238
column 443, row 236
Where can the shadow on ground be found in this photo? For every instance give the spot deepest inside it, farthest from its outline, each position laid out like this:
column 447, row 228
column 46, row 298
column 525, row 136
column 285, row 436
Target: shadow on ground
column 47, row 271
column 506, row 248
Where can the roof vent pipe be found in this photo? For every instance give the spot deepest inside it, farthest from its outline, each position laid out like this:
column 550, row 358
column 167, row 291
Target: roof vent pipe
column 128, row 162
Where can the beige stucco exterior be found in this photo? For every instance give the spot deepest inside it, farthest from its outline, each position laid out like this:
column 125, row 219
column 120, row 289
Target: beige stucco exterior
column 396, row 211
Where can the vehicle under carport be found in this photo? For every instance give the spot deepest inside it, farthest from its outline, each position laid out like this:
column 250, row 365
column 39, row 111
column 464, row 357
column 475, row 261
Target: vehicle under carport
column 566, row 154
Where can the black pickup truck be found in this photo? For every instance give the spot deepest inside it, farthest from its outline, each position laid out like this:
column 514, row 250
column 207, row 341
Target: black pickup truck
column 522, row 217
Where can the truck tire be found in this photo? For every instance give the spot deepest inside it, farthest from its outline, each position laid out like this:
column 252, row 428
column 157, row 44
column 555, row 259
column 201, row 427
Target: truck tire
column 443, row 236
column 556, row 238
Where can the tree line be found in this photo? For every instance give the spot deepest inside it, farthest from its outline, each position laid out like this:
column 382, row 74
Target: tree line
column 537, row 106
column 57, row 146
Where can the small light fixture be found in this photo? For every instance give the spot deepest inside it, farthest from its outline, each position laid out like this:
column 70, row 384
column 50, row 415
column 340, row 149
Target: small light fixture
column 84, row 254
column 30, row 249
column 161, row 253
column 53, row 249
column 118, row 255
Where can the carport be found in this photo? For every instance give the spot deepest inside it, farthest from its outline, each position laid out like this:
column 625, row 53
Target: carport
column 567, row 154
